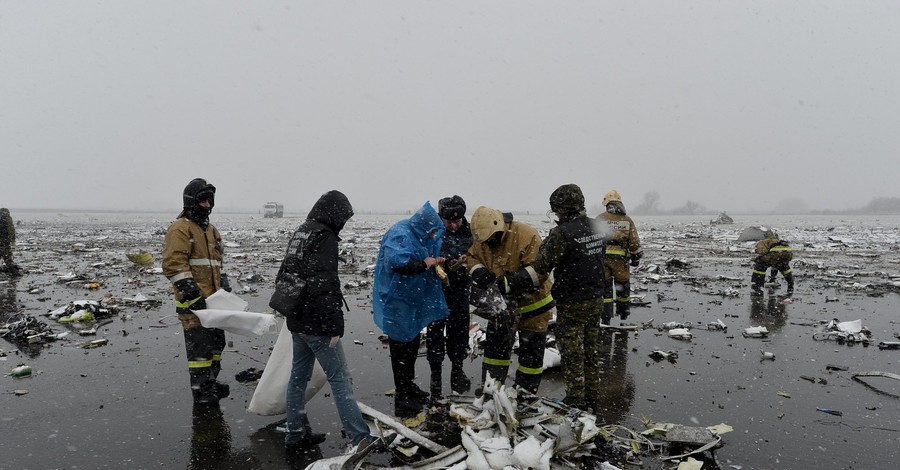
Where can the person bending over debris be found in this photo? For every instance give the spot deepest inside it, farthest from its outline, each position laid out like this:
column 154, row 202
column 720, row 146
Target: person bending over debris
column 8, row 241
column 772, row 252
column 407, row 296
column 192, row 261
column 573, row 251
column 503, row 246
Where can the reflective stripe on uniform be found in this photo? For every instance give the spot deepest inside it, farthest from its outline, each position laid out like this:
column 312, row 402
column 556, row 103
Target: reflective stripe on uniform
column 186, row 303
column 530, row 370
column 536, row 305
column 496, row 362
column 205, row 262
column 623, row 299
column 780, row 248
column 180, row 276
column 788, row 271
column 217, row 357
column 759, row 272
column 614, row 250
column 607, row 300
column 199, row 364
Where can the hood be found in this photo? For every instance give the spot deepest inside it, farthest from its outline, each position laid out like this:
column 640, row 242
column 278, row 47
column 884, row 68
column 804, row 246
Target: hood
column 425, row 221
column 332, row 209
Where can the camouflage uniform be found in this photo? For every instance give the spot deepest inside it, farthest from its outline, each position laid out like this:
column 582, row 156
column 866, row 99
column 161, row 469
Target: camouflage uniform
column 573, row 251
column 7, row 240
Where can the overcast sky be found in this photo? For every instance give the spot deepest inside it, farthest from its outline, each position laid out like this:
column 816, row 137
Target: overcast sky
column 736, row 105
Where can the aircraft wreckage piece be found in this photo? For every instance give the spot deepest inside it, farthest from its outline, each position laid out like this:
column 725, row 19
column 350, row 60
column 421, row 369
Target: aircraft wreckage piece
column 874, row 373
column 401, row 429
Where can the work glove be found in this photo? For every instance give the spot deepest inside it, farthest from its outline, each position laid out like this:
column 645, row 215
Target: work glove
column 223, row 280
column 190, row 295
column 514, row 282
column 482, row 278
column 503, row 319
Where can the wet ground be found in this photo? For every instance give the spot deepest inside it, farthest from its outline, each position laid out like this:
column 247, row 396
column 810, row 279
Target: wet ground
column 127, row 403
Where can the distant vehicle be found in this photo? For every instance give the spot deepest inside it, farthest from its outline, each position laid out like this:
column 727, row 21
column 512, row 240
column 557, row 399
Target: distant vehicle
column 273, row 209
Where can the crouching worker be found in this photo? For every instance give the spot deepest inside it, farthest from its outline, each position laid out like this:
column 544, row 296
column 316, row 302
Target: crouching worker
column 192, row 261
column 772, row 252
column 573, row 251
column 502, row 246
column 317, row 323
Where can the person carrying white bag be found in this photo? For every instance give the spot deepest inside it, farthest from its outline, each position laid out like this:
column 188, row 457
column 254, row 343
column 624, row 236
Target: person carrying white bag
column 308, row 294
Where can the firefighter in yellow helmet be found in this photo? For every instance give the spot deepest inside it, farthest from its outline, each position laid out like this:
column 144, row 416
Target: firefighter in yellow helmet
column 503, row 246
column 772, row 252
column 623, row 248
column 192, row 261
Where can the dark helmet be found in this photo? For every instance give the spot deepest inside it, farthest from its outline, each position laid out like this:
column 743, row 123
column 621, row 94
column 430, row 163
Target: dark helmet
column 452, row 208
column 567, row 200
column 195, row 191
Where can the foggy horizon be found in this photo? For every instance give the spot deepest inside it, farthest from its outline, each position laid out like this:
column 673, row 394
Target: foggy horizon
column 735, row 106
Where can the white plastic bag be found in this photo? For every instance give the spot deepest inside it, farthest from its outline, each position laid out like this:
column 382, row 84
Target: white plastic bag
column 225, row 310
column 271, row 392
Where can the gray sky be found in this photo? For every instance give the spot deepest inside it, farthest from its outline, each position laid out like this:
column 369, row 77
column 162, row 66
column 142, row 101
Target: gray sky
column 736, row 105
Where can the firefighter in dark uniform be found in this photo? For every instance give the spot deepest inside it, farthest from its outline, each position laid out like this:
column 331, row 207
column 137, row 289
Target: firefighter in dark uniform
column 7, row 241
column 502, row 246
column 192, row 261
column 573, row 251
column 451, row 334
column 623, row 248
column 772, row 252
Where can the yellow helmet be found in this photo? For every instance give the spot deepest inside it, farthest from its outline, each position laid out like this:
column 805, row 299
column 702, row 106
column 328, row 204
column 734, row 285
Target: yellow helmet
column 611, row 196
column 486, row 222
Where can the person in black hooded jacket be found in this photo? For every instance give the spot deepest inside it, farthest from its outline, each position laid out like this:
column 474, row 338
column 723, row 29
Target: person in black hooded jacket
column 317, row 323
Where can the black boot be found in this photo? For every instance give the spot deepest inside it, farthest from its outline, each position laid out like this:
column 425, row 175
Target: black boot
column 607, row 313
column 206, row 394
column 459, row 382
column 221, row 390
column 623, row 309
column 756, row 283
column 789, row 277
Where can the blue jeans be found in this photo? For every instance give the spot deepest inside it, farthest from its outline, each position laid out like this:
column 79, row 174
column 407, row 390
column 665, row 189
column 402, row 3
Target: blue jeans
column 308, row 349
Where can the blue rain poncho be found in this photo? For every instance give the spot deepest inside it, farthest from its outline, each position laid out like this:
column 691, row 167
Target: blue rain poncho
column 405, row 303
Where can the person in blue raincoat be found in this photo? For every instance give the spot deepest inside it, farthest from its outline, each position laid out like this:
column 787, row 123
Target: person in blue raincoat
column 408, row 296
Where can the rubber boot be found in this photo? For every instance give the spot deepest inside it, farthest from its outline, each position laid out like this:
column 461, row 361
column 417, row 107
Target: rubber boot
column 623, row 309
column 789, row 277
column 203, row 388
column 459, row 382
column 756, row 283
column 607, row 313
column 496, row 372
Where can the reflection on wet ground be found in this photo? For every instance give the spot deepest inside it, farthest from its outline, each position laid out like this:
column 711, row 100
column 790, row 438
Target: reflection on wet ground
column 127, row 403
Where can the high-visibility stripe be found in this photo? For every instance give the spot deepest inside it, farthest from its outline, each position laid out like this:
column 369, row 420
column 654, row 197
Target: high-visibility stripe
column 186, row 303
column 788, row 271
column 623, row 299
column 536, row 305
column 496, row 362
column 199, row 364
column 205, row 262
column 759, row 272
column 611, row 250
column 607, row 300
column 180, row 276
column 780, row 248
column 217, row 357
column 530, row 370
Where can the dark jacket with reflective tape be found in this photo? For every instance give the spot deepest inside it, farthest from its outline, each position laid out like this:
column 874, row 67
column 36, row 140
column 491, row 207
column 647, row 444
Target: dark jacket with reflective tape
column 574, row 252
column 312, row 255
column 191, row 251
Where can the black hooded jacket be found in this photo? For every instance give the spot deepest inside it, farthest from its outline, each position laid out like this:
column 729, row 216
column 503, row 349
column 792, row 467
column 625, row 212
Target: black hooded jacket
column 312, row 255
